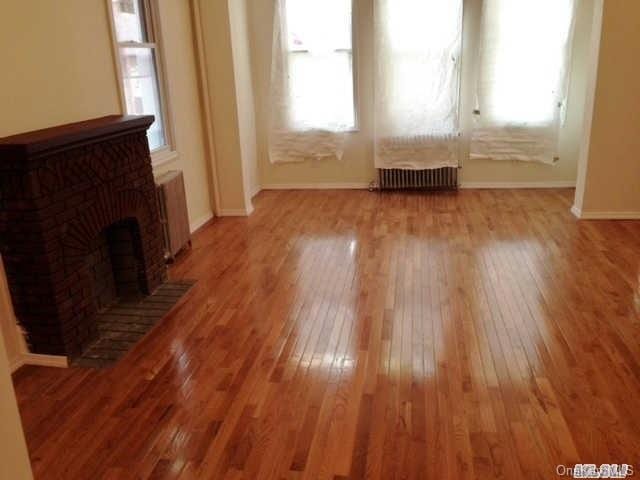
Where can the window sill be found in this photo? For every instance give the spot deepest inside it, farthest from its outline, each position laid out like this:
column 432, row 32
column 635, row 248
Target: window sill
column 163, row 156
column 350, row 130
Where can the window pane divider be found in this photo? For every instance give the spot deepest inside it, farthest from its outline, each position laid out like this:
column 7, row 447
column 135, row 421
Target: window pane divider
column 136, row 45
column 337, row 50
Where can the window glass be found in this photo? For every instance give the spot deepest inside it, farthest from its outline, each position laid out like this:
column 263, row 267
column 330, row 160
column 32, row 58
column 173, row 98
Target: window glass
column 523, row 59
column 139, row 66
column 319, row 25
column 141, row 90
column 129, row 22
column 320, row 64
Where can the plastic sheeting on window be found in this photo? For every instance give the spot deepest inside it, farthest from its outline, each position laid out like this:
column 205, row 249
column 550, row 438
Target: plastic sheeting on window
column 418, row 47
column 312, row 93
column 524, row 51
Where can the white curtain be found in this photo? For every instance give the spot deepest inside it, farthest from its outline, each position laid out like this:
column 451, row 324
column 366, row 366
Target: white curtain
column 524, row 51
column 417, row 82
column 312, row 99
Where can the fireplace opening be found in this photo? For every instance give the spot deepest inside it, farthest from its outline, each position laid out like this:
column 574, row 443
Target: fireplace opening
column 115, row 265
column 120, row 309
column 115, row 270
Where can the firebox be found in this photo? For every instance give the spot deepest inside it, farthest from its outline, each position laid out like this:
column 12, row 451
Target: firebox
column 79, row 226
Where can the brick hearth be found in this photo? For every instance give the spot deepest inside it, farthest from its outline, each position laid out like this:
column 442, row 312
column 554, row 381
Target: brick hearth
column 72, row 200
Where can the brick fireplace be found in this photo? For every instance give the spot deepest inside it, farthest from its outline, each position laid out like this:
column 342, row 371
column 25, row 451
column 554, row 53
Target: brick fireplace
column 79, row 226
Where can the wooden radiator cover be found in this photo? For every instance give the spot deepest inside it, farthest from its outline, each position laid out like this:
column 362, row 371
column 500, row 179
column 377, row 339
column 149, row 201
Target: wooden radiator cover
column 173, row 212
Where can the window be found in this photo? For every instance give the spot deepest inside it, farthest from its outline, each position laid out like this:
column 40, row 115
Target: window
column 418, row 47
column 523, row 59
column 513, row 85
column 137, row 48
column 524, row 52
column 418, row 50
column 320, row 64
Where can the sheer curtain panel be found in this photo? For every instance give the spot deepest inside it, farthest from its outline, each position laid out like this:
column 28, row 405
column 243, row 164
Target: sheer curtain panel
column 524, row 53
column 417, row 83
column 312, row 90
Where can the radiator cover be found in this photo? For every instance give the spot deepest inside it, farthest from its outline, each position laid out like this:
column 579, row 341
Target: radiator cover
column 174, row 217
column 436, row 179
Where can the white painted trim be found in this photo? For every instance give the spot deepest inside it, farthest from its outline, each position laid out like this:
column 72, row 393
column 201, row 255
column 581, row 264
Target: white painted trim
column 605, row 215
column 199, row 222
column 152, row 24
column 590, row 100
column 577, row 212
column 465, row 185
column 36, row 359
column 317, row 186
column 499, row 185
column 16, row 363
column 163, row 156
column 236, row 212
column 116, row 56
column 205, row 104
column 255, row 190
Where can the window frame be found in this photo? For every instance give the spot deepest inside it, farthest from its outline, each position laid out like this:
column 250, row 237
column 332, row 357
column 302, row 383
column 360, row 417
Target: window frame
column 151, row 25
column 354, row 67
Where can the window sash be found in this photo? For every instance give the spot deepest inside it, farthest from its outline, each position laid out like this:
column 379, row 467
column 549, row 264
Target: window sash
column 336, row 50
column 320, row 121
column 150, row 43
column 292, row 53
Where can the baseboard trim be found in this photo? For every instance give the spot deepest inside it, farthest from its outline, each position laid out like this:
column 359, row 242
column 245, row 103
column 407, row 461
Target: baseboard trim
column 39, row 360
column 577, row 212
column 317, row 186
column 256, row 190
column 516, row 185
column 582, row 215
column 235, row 212
column 198, row 223
column 16, row 363
column 465, row 185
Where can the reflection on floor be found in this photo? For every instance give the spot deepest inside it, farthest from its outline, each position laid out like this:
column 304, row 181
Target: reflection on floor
column 348, row 334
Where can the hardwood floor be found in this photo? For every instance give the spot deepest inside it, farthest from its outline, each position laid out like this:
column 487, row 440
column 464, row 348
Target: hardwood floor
column 347, row 334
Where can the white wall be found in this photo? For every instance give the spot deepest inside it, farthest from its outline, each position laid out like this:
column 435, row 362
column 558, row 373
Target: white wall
column 244, row 93
column 224, row 41
column 14, row 458
column 184, row 98
column 609, row 185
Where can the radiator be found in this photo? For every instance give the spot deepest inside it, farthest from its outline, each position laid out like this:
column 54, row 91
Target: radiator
column 172, row 204
column 437, row 179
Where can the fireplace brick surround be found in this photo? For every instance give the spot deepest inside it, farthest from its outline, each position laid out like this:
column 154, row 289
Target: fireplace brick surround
column 68, row 197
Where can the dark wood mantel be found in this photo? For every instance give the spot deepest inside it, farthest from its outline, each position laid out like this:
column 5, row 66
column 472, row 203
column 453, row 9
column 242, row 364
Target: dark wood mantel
column 72, row 134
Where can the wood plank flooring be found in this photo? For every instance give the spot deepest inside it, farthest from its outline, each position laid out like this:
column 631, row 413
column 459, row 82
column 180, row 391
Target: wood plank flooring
column 347, row 334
